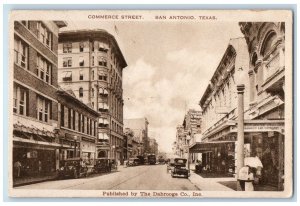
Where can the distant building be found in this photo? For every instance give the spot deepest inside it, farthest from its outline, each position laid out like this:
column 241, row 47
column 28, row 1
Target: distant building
column 180, row 146
column 192, row 128
column 91, row 65
column 78, row 128
column 140, row 128
column 153, row 146
column 35, row 107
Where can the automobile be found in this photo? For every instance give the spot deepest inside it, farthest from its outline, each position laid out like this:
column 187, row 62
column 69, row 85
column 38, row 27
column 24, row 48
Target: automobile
column 102, row 165
column 161, row 160
column 72, row 167
column 141, row 159
column 133, row 162
column 170, row 164
column 180, row 168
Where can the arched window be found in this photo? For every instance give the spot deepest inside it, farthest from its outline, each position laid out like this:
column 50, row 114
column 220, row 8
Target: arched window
column 268, row 43
column 80, row 92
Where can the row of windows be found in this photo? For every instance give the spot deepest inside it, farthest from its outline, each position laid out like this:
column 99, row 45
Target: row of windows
column 43, row 68
column 43, row 34
column 67, row 47
column 67, row 61
column 77, row 121
column 21, row 103
column 67, row 76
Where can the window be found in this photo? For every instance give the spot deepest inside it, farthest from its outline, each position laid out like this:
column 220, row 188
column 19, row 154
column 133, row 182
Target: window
column 87, row 125
column 80, row 75
column 93, row 75
column 102, row 77
column 20, row 53
column 43, row 69
column 67, row 62
column 81, row 61
column 67, row 76
column 62, row 116
column 80, row 92
column 73, row 121
column 79, row 122
column 102, row 106
column 102, row 61
column 93, row 61
column 82, row 124
column 103, row 47
column 44, row 35
column 81, row 47
column 69, row 118
column 43, row 106
column 20, row 102
column 93, row 93
column 67, row 48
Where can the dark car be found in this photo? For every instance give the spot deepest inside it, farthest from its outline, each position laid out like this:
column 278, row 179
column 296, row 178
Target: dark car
column 102, row 165
column 73, row 167
column 133, row 162
column 180, row 168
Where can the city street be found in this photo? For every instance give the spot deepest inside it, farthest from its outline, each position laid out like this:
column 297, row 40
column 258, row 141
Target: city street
column 145, row 177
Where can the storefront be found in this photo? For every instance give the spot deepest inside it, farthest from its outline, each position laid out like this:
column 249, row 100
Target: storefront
column 217, row 157
column 35, row 152
column 88, row 150
column 263, row 138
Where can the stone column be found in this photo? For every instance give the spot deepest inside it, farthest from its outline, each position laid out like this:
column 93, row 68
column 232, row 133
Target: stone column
column 240, row 130
column 251, row 85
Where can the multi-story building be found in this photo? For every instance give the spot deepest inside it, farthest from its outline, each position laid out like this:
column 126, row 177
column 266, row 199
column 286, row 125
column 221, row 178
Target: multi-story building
column 91, row 65
column 35, row 108
column 78, row 127
column 192, row 127
column 219, row 109
column 266, row 46
column 180, row 146
column 153, row 146
column 140, row 128
column 192, row 124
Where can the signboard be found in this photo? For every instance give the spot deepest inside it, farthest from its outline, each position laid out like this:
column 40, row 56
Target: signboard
column 222, row 110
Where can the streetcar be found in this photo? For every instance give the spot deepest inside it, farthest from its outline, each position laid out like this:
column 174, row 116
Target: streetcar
column 151, row 159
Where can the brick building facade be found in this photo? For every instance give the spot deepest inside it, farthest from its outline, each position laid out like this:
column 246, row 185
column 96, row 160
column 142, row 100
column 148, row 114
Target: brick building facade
column 35, row 108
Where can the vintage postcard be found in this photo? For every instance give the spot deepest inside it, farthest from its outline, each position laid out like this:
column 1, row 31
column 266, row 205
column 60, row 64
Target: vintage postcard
column 151, row 103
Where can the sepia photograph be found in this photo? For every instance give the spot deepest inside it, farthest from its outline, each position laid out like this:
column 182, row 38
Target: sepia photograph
column 151, row 103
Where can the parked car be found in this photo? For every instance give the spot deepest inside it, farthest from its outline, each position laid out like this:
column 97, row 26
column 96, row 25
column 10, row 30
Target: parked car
column 102, row 165
column 180, row 168
column 133, row 162
column 73, row 167
column 170, row 164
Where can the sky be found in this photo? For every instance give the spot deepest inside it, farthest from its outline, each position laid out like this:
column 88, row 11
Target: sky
column 169, row 67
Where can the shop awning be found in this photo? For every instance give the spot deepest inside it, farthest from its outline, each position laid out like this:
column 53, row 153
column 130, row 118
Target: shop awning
column 42, row 143
column 200, row 147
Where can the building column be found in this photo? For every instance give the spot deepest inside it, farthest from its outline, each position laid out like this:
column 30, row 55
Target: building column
column 251, row 85
column 240, row 130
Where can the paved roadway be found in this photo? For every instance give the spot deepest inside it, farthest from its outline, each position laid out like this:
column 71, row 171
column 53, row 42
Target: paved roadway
column 145, row 177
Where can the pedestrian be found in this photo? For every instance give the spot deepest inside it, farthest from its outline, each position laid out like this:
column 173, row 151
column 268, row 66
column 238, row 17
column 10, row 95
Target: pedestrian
column 17, row 168
column 246, row 178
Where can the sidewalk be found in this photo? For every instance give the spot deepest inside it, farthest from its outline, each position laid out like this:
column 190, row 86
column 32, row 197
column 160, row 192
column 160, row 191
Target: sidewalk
column 210, row 184
column 31, row 180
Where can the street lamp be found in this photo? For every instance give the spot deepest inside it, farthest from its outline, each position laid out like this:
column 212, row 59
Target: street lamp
column 240, row 123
